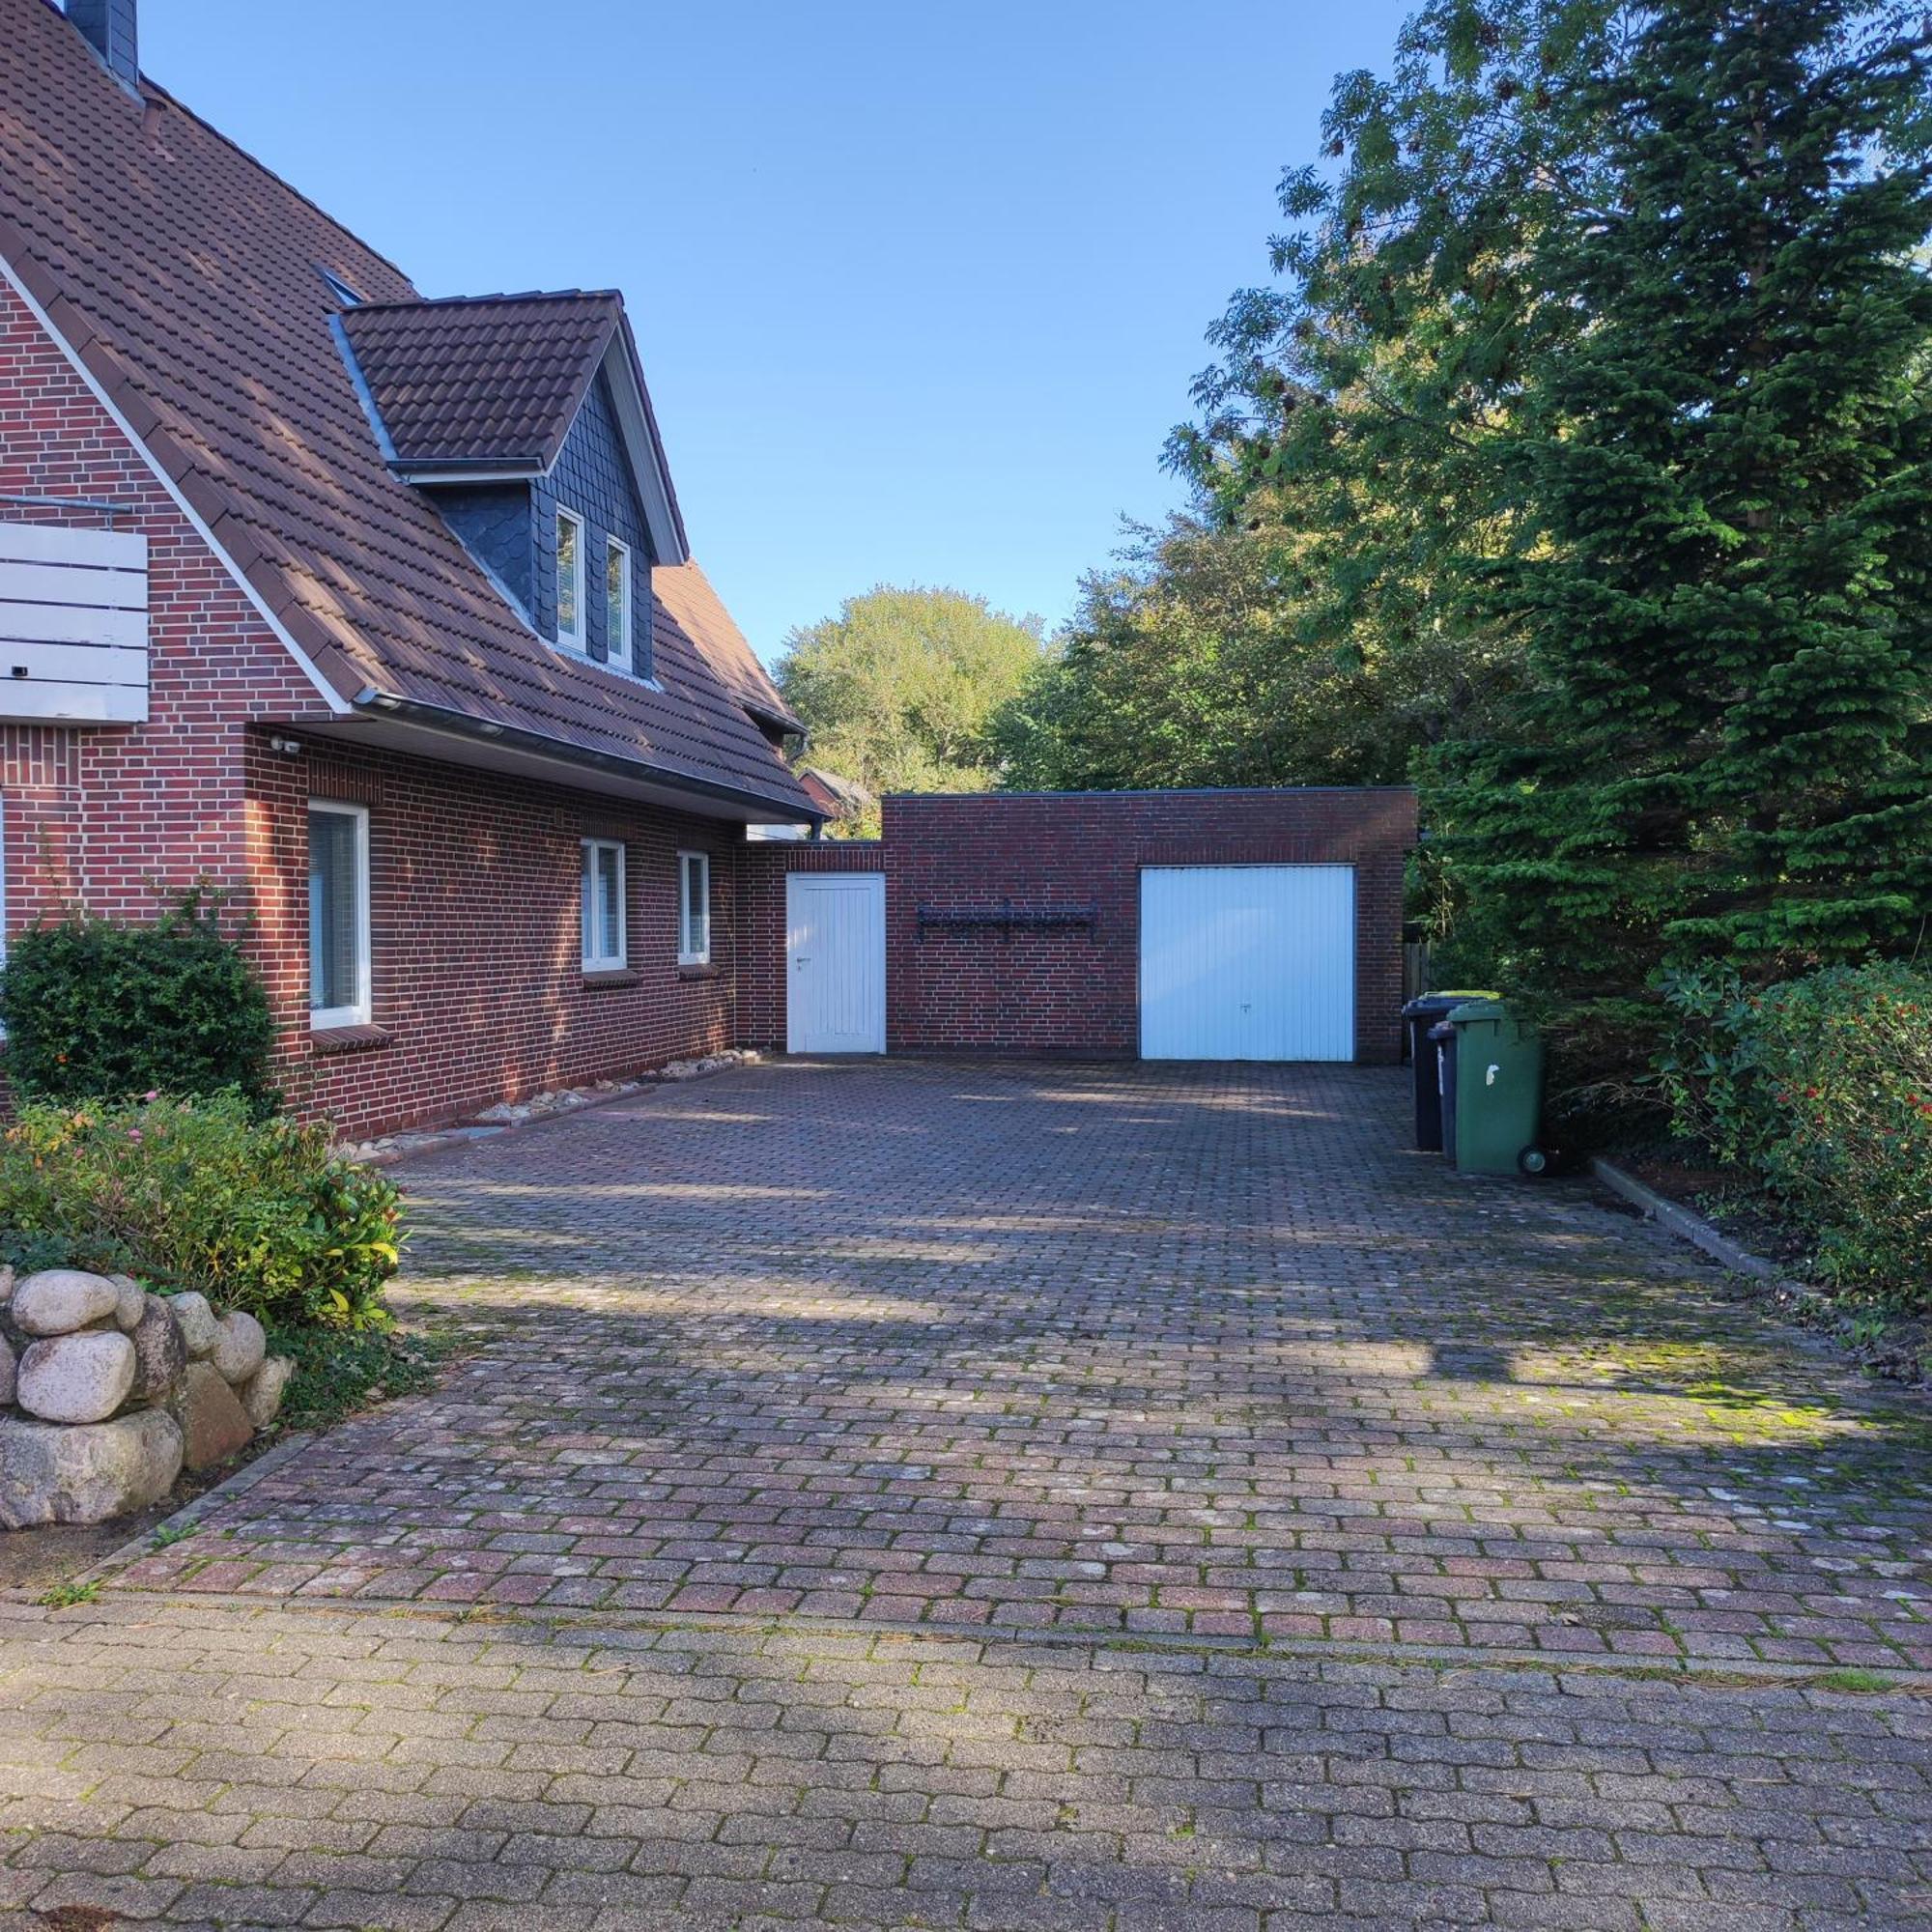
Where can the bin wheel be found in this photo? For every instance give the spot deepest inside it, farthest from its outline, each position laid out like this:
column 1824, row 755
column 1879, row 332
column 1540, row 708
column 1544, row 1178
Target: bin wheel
column 1533, row 1160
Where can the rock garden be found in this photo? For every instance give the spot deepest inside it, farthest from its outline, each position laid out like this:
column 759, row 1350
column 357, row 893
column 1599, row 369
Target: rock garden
column 181, row 1258
column 112, row 1390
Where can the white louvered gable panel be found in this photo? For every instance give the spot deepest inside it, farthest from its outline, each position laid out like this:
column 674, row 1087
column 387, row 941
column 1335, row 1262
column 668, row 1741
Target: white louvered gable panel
column 73, row 625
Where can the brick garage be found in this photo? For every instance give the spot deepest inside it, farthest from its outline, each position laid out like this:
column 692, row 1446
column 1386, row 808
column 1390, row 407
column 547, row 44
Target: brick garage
column 1072, row 989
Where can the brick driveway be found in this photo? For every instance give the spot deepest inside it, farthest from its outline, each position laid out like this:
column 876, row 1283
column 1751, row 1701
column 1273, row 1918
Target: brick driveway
column 1035, row 1497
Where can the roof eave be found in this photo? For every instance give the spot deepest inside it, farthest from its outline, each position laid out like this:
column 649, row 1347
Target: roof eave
column 378, row 704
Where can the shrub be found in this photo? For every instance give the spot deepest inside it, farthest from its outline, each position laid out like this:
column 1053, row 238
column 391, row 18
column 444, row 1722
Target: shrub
column 1820, row 1089
column 94, row 1006
column 205, row 1194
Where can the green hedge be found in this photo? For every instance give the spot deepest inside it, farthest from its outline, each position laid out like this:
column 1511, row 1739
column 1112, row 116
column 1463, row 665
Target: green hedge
column 204, row 1194
column 1820, row 1089
column 94, row 1006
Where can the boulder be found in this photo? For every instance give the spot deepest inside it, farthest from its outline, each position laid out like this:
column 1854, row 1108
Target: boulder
column 128, row 1311
column 240, row 1346
column 213, row 1424
column 57, row 1301
column 8, row 1367
column 51, row 1473
column 160, row 1355
column 200, row 1331
column 261, row 1393
column 77, row 1378
column 6, row 1284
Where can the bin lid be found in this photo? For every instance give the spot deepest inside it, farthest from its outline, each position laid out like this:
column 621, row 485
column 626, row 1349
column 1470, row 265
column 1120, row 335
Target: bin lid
column 1440, row 1002
column 1487, row 1007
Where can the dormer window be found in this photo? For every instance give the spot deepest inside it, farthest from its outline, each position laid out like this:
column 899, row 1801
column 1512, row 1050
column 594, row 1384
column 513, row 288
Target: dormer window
column 617, row 600
column 570, row 626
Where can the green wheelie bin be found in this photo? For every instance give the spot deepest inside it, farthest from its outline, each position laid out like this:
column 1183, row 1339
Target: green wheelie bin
column 1498, row 1090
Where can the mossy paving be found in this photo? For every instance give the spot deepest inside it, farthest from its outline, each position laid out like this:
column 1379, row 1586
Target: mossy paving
column 1132, row 1352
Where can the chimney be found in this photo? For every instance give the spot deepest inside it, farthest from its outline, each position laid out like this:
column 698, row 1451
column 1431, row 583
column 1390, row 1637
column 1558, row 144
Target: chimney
column 108, row 28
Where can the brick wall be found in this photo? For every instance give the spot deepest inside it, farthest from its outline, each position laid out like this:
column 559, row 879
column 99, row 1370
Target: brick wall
column 762, row 868
column 116, row 817
column 477, row 982
column 1074, row 990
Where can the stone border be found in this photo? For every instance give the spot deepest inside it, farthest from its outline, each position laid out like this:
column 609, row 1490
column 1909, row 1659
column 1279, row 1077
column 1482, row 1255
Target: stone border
column 1810, row 1307
column 1698, row 1232
column 508, row 1117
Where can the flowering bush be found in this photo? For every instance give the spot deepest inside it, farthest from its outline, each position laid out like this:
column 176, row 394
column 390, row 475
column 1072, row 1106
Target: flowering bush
column 205, row 1194
column 1821, row 1089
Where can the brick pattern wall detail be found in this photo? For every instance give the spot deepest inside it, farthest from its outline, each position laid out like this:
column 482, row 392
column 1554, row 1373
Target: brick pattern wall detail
column 475, row 940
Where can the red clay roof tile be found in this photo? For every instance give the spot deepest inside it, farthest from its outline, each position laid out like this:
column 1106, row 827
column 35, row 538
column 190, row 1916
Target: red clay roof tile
column 482, row 378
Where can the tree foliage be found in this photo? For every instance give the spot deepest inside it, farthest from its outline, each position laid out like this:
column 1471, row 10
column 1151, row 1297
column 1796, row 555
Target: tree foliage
column 1299, row 622
column 1198, row 661
column 1577, row 461
column 1719, row 565
column 897, row 688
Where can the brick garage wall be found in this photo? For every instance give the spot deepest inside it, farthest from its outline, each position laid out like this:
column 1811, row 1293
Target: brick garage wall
column 762, row 868
column 475, row 945
column 1074, row 990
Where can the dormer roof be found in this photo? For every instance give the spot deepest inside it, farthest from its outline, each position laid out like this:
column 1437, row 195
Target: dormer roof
column 491, row 379
column 470, row 386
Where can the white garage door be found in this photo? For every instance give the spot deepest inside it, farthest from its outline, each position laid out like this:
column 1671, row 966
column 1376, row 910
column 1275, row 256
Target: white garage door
column 835, row 962
column 1248, row 962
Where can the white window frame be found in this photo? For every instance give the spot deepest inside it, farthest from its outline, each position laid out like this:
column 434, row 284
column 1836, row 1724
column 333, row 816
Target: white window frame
column 579, row 639
column 360, row 1011
column 618, row 644
column 590, row 927
column 688, row 953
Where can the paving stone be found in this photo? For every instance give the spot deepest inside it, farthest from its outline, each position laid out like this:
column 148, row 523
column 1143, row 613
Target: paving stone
column 838, row 1370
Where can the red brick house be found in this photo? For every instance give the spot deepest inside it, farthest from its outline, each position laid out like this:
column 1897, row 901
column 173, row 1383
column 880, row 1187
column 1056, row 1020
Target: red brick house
column 381, row 608
column 382, row 612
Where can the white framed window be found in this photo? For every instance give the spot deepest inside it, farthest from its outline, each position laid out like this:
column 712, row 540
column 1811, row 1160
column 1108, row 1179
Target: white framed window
column 570, row 580
column 338, row 914
column 604, row 945
column 617, row 600
column 693, row 909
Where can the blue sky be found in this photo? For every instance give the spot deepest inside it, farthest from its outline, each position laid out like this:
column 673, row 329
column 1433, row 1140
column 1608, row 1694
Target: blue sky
column 918, row 287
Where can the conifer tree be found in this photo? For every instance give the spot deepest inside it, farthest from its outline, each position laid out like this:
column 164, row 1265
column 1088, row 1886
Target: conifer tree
column 1724, row 566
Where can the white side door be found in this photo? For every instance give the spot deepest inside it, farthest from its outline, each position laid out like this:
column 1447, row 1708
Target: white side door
column 835, row 962
column 1248, row 962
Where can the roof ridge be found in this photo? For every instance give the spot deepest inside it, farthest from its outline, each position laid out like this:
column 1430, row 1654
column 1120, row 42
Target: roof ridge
column 505, row 295
column 151, row 86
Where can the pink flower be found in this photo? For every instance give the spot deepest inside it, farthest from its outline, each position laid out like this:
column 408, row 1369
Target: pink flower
column 153, row 1093
column 133, row 1133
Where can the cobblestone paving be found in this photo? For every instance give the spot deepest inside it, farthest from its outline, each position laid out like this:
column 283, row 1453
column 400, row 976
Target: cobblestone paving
column 1013, row 1497
column 1140, row 1351
column 267, row 1765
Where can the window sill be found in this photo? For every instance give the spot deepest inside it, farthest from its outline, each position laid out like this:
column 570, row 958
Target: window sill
column 595, row 980
column 348, row 1039
column 698, row 970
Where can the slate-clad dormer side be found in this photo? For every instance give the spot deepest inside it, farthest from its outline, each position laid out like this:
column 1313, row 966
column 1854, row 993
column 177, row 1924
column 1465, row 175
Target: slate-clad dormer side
column 592, row 477
column 498, row 528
